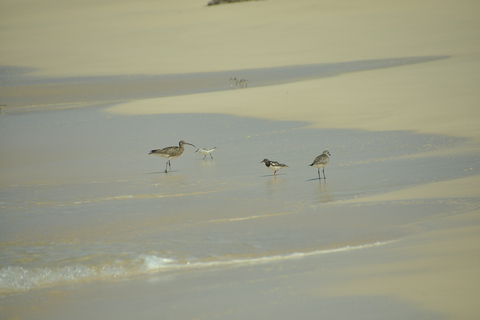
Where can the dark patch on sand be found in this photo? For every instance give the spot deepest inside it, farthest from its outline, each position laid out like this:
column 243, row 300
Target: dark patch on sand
column 17, row 89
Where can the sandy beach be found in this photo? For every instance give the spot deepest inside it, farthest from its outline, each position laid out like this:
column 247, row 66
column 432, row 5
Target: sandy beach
column 91, row 226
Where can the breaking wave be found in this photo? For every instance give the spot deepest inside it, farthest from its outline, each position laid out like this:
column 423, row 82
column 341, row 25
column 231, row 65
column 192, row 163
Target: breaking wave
column 20, row 278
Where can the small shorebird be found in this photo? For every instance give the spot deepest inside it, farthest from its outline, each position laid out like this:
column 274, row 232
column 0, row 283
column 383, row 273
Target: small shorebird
column 240, row 82
column 170, row 153
column 274, row 165
column 206, row 151
column 320, row 162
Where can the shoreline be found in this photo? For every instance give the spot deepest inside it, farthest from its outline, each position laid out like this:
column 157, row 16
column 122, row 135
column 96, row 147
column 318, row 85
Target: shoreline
column 367, row 100
column 82, row 187
column 412, row 274
column 54, row 92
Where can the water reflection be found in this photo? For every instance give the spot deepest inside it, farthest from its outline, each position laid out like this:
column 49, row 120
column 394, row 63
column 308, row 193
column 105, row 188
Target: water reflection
column 171, row 181
column 207, row 165
column 324, row 194
column 274, row 184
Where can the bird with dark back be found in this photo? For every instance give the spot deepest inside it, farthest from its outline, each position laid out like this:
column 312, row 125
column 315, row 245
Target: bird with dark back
column 273, row 165
column 170, row 153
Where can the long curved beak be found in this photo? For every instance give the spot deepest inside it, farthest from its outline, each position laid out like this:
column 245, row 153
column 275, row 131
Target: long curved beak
column 190, row 144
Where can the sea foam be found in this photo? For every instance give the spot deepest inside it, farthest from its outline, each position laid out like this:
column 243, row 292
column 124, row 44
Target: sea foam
column 22, row 278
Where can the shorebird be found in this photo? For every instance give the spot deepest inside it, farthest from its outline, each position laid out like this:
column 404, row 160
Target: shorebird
column 320, row 162
column 240, row 82
column 170, row 153
column 206, row 151
column 274, row 165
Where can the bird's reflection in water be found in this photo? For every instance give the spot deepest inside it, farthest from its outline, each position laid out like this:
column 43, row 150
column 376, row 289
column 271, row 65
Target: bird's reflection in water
column 324, row 194
column 207, row 166
column 274, row 184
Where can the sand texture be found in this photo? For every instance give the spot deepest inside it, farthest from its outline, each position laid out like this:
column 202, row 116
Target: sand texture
column 87, row 88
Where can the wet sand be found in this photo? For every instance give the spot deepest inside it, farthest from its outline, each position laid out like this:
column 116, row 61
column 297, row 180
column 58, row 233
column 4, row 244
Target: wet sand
column 403, row 177
column 20, row 91
column 235, row 241
column 423, row 276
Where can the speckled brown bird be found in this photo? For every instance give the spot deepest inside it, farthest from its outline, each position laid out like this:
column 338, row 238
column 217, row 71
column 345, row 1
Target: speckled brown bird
column 170, row 153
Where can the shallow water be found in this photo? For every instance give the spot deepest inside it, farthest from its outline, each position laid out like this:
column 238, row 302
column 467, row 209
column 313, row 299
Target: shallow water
column 81, row 199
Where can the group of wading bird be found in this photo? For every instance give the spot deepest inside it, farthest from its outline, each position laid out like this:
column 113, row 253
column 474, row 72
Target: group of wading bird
column 174, row 152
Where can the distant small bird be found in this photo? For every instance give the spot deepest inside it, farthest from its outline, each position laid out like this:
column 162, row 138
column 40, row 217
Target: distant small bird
column 170, row 153
column 320, row 162
column 240, row 82
column 206, row 151
column 274, row 165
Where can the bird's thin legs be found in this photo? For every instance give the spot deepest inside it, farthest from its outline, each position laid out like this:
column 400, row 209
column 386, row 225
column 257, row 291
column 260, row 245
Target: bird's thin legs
column 319, row 175
column 168, row 165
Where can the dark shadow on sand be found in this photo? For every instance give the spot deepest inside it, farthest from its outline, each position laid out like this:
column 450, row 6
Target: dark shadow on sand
column 158, row 172
column 272, row 176
column 18, row 89
column 316, row 179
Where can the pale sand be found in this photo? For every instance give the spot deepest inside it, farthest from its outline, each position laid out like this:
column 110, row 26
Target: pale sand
column 438, row 269
column 159, row 37
column 458, row 188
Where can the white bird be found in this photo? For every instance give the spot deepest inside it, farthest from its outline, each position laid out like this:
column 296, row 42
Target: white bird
column 206, row 151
